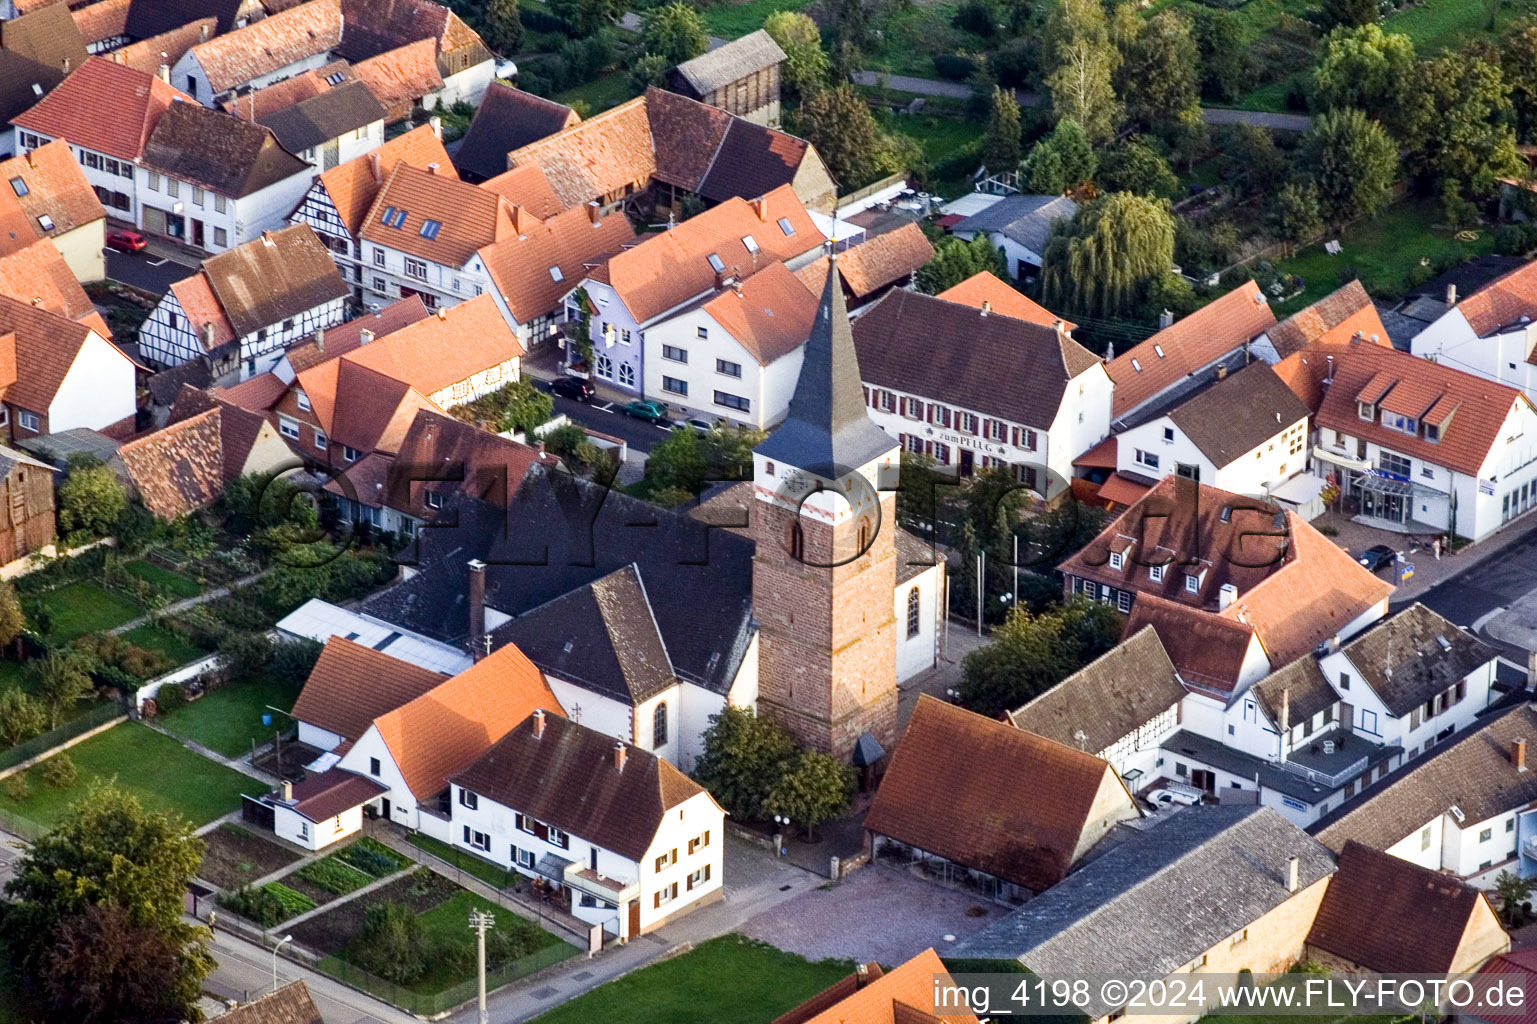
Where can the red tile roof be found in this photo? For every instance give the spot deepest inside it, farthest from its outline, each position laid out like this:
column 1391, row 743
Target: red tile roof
column 39, row 274
column 469, row 217
column 1502, row 301
column 400, row 78
column 595, row 157
column 519, row 266
column 323, row 796
column 1032, row 807
column 526, row 186
column 178, row 468
column 101, row 21
column 1002, row 297
column 453, row 345
column 353, row 185
column 493, row 467
column 1208, row 650
column 1332, row 320
column 270, row 44
column 770, row 314
column 339, row 340
column 202, row 309
column 441, row 732
column 166, row 48
column 873, row 264
column 351, row 685
column 55, row 187
column 902, row 995
column 259, row 394
column 73, row 110
column 1189, row 346
column 670, row 268
column 1366, row 373
column 46, row 345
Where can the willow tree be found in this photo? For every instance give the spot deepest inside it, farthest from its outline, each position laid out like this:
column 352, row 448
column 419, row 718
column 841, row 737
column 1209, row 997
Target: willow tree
column 1099, row 262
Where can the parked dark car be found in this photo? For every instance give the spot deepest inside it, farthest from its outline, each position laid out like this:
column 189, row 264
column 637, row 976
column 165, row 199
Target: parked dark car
column 1375, row 558
column 574, row 388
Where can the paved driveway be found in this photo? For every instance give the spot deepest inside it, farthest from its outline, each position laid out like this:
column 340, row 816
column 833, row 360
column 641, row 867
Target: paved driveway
column 147, row 270
column 877, row 913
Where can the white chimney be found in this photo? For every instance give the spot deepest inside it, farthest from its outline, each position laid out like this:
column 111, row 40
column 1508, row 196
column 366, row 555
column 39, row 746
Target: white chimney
column 437, row 125
column 365, row 336
column 320, row 339
column 165, row 73
column 538, row 723
column 1226, row 595
column 987, row 306
column 287, row 790
column 1451, row 296
column 1291, row 874
column 1165, row 319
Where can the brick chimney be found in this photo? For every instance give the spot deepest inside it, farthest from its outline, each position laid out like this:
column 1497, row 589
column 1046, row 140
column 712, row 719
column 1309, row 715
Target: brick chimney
column 267, row 239
column 1291, row 874
column 721, row 277
column 760, row 208
column 621, row 752
column 538, row 723
column 477, row 606
column 1518, row 754
column 592, row 212
column 373, row 166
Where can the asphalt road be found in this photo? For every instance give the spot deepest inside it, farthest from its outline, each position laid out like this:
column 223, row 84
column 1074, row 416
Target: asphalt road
column 146, row 270
column 1494, row 582
column 606, row 418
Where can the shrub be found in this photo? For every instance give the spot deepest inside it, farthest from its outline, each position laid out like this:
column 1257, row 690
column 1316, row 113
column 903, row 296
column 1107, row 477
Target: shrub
column 245, row 654
column 511, row 941
column 392, row 943
column 954, row 66
column 334, row 875
column 170, row 697
column 59, row 771
column 293, row 660
column 18, row 788
column 1509, row 240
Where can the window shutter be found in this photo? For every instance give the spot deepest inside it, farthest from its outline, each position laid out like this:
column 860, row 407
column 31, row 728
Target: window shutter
column 933, row 412
column 656, row 899
column 868, row 399
column 1030, row 438
column 690, row 883
column 928, row 447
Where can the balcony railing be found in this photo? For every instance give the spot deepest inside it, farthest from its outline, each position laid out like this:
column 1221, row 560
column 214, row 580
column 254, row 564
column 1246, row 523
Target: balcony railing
column 1333, row 781
column 604, row 887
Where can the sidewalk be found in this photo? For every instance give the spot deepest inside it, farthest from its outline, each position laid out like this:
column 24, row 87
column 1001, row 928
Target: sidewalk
column 189, row 602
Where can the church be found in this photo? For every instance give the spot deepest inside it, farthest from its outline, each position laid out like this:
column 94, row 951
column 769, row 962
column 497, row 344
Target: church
column 795, row 593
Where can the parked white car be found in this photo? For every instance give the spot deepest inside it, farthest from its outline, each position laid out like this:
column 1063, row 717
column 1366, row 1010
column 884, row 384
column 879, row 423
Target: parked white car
column 1173, row 795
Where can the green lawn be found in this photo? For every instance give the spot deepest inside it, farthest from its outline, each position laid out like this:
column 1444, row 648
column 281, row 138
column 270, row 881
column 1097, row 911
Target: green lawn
column 162, row 773
column 732, row 20
column 447, row 923
column 82, row 607
column 731, row 978
column 163, row 640
column 174, row 582
column 600, row 94
column 1382, row 251
column 466, row 862
column 229, row 718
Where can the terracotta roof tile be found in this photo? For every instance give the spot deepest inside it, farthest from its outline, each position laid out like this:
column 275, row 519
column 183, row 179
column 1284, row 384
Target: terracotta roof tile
column 327, row 794
column 1190, row 345
column 377, row 409
column 39, row 273
column 47, row 35
column 492, row 467
column 146, row 54
column 98, row 22
column 259, row 394
column 468, row 217
column 903, row 995
column 770, row 316
column 290, row 1004
column 1306, row 370
column 73, row 110
column 443, row 732
column 875, row 263
column 1365, row 372
column 353, row 185
column 178, row 468
column 202, row 308
column 1208, row 650
column 598, row 156
column 686, row 135
column 400, row 78
column 443, row 349
column 340, row 340
column 508, row 118
column 670, row 268
column 374, row 26
column 278, row 275
column 567, row 777
column 1503, row 301
column 254, row 106
column 54, row 186
column 270, row 44
column 519, row 266
column 1033, row 807
column 218, row 151
column 46, row 346
column 1002, row 298
column 526, row 186
column 351, row 685
column 1332, row 320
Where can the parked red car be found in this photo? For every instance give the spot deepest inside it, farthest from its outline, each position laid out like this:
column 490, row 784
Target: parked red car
column 125, row 241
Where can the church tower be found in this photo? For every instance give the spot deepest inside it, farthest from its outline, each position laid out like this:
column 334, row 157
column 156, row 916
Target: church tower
column 825, row 566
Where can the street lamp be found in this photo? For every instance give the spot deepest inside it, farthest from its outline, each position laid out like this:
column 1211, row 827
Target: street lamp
column 286, row 938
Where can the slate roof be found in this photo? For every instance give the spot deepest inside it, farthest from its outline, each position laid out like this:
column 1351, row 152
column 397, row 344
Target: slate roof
column 508, row 118
column 1413, row 655
column 218, row 151
column 178, row 468
column 446, row 729
column 1333, row 319
column 290, row 1004
column 352, row 186
column 725, row 64
column 1473, row 772
column 567, row 778
column 1002, row 298
column 165, row 386
column 561, row 533
column 876, row 262
column 23, row 81
column 319, row 119
column 1190, row 345
column 1471, row 411
column 270, row 44
column 73, row 110
column 1300, row 688
column 827, row 430
column 601, row 637
column 47, row 35
column 1030, row 807
column 375, row 26
column 1238, row 414
column 946, row 352
column 1110, row 698
column 752, row 159
column 152, row 17
column 519, row 265
column 281, row 274
column 351, row 685
column 1025, row 219
column 1153, row 903
column 1392, row 916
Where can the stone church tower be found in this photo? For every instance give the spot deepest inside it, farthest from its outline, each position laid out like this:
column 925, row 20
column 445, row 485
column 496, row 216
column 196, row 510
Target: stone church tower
column 825, row 566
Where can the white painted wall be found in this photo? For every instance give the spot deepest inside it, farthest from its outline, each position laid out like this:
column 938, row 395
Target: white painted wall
column 315, row 835
column 468, row 85
column 320, row 739
column 188, row 76
column 448, row 285
column 1451, row 341
column 97, row 391
column 766, row 387
column 403, row 809
column 918, row 651
column 1279, row 457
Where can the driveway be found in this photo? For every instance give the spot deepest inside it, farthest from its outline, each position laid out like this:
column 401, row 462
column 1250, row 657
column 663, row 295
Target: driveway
column 604, row 417
column 877, row 913
column 147, row 270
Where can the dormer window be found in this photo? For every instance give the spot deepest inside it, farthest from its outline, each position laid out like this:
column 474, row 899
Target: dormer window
column 1402, row 424
column 1432, row 433
column 1366, row 410
column 1117, row 559
column 1193, row 581
column 1155, row 573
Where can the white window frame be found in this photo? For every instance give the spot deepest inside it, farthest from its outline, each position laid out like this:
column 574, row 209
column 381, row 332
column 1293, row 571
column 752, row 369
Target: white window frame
column 288, row 428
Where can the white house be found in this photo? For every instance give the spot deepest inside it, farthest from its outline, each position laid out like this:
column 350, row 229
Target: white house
column 60, row 374
column 338, row 125
column 634, row 841
column 1019, row 226
column 977, row 390
column 1424, row 447
column 247, row 305
column 287, row 43
column 1491, row 333
column 1470, row 809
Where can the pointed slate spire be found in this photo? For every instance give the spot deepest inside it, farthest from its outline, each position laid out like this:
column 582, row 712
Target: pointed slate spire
column 827, row 431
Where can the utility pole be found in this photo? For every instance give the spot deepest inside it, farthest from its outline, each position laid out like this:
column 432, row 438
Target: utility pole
column 480, row 920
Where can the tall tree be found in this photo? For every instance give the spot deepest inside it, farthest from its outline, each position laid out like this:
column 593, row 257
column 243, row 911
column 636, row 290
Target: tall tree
column 1002, row 146
column 1352, row 162
column 1368, row 69
column 22, row 716
column 103, row 968
column 108, row 851
column 1063, row 160
column 61, row 682
column 1222, row 40
column 90, row 499
column 13, row 622
column 1350, row 13
column 584, row 18
column 1099, row 262
column 812, row 789
column 674, row 32
column 1080, row 62
column 504, row 26
column 955, row 260
column 806, row 65
column 1296, row 212
column 743, row 755
column 839, row 124
column 1159, row 72
column 1518, row 63
column 1460, row 122
column 1032, row 653
column 1134, row 166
